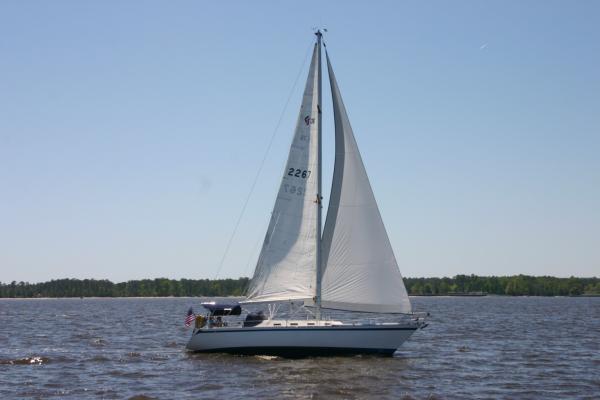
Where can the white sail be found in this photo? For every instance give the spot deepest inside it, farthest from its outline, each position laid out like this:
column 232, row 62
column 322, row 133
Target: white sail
column 286, row 267
column 360, row 272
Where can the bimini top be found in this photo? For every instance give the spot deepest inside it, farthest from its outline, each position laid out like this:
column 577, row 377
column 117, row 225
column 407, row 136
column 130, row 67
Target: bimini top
column 218, row 309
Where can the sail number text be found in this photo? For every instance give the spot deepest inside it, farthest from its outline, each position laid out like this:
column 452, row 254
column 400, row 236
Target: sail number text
column 304, row 174
column 297, row 190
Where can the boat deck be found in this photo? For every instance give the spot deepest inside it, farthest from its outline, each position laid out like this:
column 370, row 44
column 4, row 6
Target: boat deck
column 299, row 323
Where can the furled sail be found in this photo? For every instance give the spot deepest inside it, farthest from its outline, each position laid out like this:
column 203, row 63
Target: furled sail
column 286, row 267
column 360, row 272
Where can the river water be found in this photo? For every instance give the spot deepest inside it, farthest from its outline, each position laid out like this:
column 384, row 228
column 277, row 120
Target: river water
column 486, row 347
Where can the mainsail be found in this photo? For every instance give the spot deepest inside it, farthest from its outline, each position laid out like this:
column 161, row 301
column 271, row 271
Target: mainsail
column 286, row 267
column 360, row 272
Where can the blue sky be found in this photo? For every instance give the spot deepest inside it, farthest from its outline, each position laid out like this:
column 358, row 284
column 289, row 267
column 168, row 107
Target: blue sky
column 131, row 132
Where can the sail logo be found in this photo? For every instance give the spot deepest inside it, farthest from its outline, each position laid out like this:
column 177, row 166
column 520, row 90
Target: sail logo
column 308, row 120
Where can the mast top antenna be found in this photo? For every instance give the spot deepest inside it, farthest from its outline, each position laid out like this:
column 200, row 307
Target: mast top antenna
column 319, row 32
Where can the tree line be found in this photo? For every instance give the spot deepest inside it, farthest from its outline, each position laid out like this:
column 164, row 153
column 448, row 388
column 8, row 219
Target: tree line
column 160, row 287
column 518, row 285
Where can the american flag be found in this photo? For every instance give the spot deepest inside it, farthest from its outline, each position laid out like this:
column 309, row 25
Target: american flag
column 190, row 317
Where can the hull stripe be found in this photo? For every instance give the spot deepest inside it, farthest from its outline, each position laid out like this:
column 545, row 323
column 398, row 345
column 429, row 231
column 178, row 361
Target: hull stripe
column 319, row 328
column 299, row 351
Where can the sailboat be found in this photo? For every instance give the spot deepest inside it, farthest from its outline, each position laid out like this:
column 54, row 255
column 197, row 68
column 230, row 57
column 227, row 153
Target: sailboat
column 348, row 265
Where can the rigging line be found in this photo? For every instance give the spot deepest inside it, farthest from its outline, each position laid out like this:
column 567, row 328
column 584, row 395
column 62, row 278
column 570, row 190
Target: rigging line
column 262, row 163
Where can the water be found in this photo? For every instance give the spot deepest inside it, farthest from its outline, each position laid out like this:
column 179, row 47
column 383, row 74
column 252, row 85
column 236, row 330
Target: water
column 490, row 347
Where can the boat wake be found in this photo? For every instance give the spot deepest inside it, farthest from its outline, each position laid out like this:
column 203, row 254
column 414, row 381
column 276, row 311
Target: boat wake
column 35, row 360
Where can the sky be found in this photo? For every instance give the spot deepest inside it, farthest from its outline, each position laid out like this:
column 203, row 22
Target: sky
column 131, row 132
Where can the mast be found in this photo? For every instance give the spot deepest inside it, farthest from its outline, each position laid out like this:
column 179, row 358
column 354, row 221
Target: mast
column 319, row 197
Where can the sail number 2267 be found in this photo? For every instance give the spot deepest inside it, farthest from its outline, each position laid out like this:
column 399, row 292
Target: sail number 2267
column 298, row 173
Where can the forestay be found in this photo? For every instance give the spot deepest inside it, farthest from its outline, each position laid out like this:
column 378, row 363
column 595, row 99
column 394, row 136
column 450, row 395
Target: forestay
column 286, row 268
column 360, row 271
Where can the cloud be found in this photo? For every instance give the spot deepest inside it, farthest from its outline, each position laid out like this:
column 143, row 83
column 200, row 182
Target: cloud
column 483, row 46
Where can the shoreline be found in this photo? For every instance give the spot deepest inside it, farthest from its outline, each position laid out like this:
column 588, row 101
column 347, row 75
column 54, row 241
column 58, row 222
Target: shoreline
column 458, row 286
column 240, row 297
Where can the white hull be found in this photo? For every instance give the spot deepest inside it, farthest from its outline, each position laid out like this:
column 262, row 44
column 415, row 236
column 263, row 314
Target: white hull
column 303, row 340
